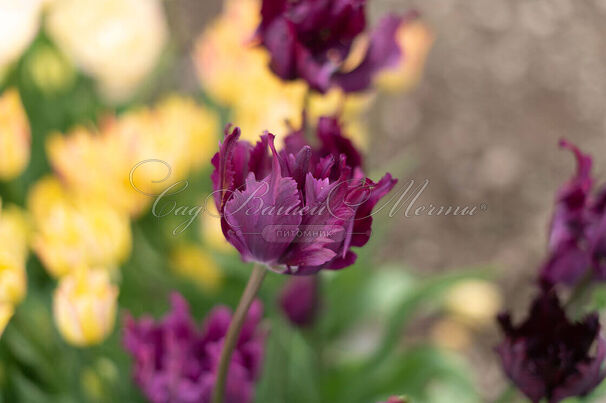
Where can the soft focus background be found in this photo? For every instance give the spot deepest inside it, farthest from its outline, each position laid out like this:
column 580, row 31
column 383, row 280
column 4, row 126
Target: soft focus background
column 503, row 82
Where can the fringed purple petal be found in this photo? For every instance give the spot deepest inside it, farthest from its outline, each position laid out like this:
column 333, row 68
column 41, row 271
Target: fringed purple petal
column 589, row 375
column 363, row 221
column 547, row 356
column 174, row 362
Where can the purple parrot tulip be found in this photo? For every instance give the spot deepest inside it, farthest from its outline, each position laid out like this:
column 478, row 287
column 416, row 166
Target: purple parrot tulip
column 299, row 210
column 310, row 39
column 547, row 356
column 577, row 239
column 176, row 362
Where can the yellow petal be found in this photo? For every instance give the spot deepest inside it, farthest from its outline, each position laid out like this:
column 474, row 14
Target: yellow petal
column 84, row 307
column 476, row 302
column 194, row 263
column 15, row 137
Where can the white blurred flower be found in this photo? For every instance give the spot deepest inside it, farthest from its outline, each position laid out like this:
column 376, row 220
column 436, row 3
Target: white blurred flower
column 115, row 41
column 19, row 23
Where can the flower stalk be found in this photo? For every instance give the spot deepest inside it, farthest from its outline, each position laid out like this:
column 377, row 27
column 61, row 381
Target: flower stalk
column 252, row 287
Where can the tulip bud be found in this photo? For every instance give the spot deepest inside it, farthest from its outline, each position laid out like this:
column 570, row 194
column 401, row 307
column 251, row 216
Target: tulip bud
column 85, row 307
column 299, row 300
column 15, row 137
column 49, row 70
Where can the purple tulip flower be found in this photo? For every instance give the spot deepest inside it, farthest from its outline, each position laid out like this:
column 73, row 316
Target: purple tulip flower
column 577, row 240
column 310, row 39
column 299, row 300
column 547, row 356
column 300, row 210
column 174, row 362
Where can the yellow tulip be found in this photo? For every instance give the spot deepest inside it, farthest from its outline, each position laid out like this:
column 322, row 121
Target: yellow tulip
column 13, row 280
column 225, row 57
column 120, row 164
column 195, row 264
column 14, row 233
column 84, row 307
column 210, row 229
column 70, row 231
column 474, row 302
column 15, row 137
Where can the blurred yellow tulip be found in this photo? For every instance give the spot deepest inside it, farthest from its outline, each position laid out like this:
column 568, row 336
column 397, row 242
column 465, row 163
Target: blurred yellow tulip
column 474, row 302
column 15, row 137
column 15, row 231
column 224, row 56
column 210, row 229
column 118, row 42
column 192, row 262
column 234, row 72
column 70, row 231
column 13, row 280
column 84, row 306
column 121, row 163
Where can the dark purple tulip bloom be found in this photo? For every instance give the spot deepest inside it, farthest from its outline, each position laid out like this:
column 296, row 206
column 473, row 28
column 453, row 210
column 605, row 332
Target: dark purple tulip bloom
column 547, row 356
column 174, row 362
column 577, row 240
column 310, row 39
column 299, row 300
column 300, row 210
